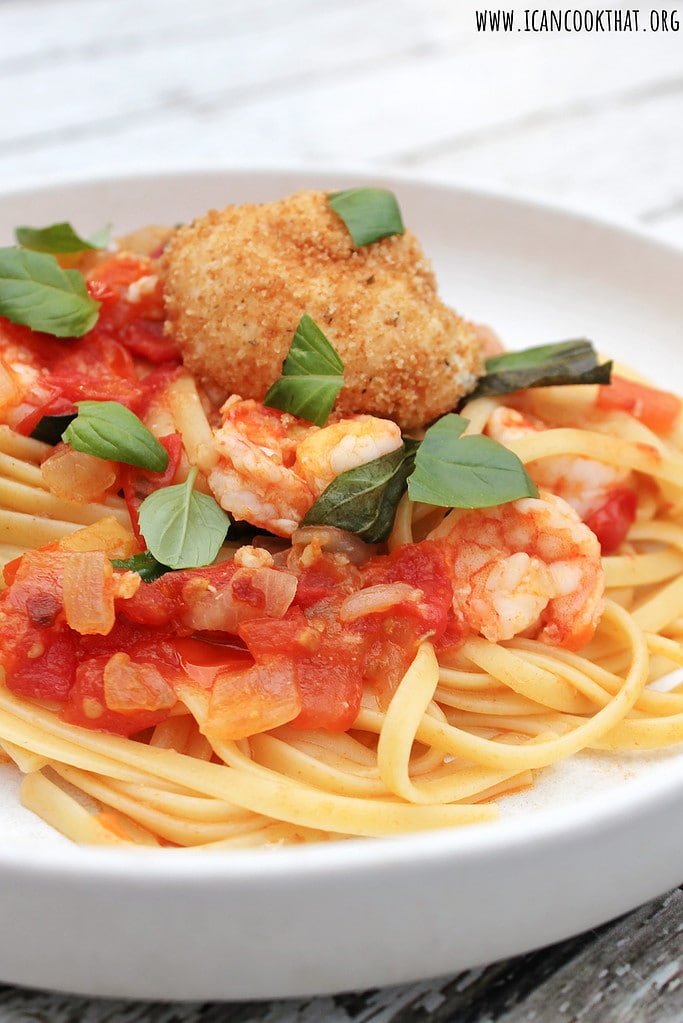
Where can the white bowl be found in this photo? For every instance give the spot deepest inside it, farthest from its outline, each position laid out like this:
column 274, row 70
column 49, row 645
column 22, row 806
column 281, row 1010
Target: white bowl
column 598, row 836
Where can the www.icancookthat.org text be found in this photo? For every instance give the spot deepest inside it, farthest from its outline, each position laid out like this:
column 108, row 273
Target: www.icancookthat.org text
column 578, row 19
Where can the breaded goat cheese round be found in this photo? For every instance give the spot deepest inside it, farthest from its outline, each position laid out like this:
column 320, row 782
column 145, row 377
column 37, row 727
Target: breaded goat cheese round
column 238, row 281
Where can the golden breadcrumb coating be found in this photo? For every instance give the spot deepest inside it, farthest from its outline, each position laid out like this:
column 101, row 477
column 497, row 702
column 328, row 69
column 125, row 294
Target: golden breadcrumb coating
column 238, row 281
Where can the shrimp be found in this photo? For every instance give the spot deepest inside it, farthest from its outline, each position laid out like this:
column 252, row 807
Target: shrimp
column 584, row 483
column 531, row 564
column 272, row 467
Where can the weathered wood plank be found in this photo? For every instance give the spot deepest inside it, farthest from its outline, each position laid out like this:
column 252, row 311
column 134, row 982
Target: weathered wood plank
column 200, row 65
column 587, row 118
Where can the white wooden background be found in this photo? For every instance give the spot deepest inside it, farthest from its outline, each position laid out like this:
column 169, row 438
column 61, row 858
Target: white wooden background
column 590, row 121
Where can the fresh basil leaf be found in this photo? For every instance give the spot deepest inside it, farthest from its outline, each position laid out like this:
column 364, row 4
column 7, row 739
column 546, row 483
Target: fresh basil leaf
column 369, row 213
column 312, row 376
column 564, row 362
column 108, row 429
column 145, row 564
column 364, row 500
column 182, row 527
column 59, row 238
column 452, row 471
column 35, row 292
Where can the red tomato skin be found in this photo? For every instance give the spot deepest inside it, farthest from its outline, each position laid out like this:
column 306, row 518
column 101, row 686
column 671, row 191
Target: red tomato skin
column 100, row 365
column 146, row 340
column 425, row 567
column 290, row 636
column 657, row 409
column 88, row 691
column 94, row 367
column 613, row 519
column 203, row 659
column 162, row 602
column 139, row 483
column 49, row 677
column 246, row 592
column 30, row 610
column 328, row 665
column 325, row 581
column 330, row 683
column 138, row 325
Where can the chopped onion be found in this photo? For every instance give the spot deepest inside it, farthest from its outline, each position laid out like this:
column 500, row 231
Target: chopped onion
column 376, row 599
column 131, row 686
column 76, row 475
column 106, row 535
column 335, row 541
column 212, row 609
column 88, row 593
column 278, row 588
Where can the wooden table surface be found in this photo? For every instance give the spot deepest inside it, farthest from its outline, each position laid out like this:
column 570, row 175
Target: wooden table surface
column 588, row 117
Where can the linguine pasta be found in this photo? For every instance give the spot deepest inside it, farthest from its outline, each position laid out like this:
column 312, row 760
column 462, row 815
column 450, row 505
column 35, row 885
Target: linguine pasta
column 454, row 737
column 450, row 717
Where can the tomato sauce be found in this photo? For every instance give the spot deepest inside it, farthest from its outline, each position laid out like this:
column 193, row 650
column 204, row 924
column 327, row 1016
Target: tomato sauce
column 322, row 660
column 298, row 662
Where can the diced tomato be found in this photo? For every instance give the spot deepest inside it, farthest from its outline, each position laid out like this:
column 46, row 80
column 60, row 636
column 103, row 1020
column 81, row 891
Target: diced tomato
column 87, row 704
column 134, row 318
column 323, row 578
column 110, row 282
column 254, row 699
column 94, row 367
column 330, row 682
column 201, row 660
column 151, row 606
column 291, row 636
column 36, row 647
column 425, row 567
column 121, row 270
column 146, row 339
column 169, row 601
column 99, row 366
column 613, row 519
column 658, row 410
column 50, row 676
column 31, row 606
column 299, row 663
column 327, row 662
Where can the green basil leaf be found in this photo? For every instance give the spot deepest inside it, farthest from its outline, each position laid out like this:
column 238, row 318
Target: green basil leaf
column 312, row 376
column 145, row 564
column 182, row 527
column 452, row 471
column 369, row 213
column 35, row 292
column 59, row 238
column 564, row 362
column 364, row 500
column 108, row 429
